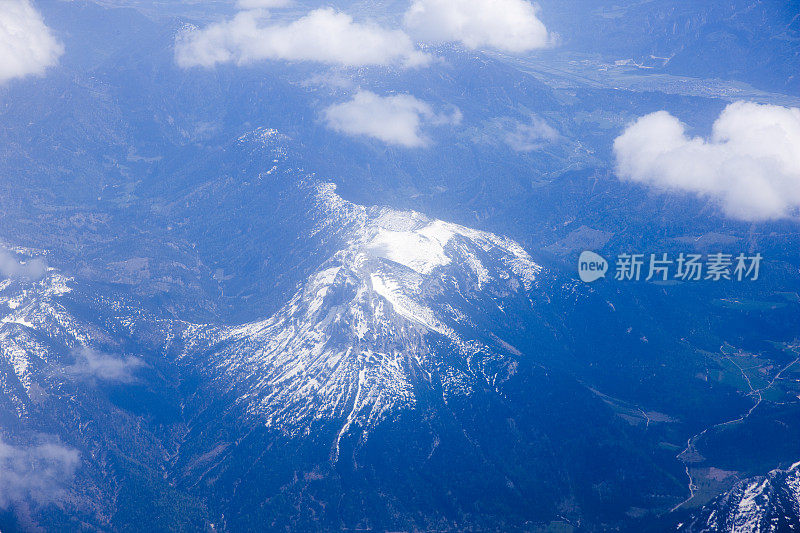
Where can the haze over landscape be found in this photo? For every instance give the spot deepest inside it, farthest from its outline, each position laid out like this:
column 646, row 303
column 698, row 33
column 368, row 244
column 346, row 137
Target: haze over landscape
column 302, row 266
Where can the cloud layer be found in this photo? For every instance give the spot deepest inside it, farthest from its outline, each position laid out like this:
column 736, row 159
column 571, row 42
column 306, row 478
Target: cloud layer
column 323, row 35
column 98, row 365
column 507, row 25
column 11, row 267
column 750, row 164
column 27, row 46
column 527, row 137
column 329, row 36
column 394, row 120
column 34, row 472
column 261, row 4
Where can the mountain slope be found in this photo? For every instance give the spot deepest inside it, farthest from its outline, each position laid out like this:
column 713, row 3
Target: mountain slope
column 421, row 376
column 376, row 316
column 768, row 504
column 88, row 415
column 416, row 365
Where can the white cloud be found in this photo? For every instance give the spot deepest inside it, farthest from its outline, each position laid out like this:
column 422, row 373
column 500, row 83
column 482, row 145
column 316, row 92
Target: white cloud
column 507, row 25
column 323, row 35
column 395, row 119
column 34, row 472
column 262, row 4
column 27, row 46
column 526, row 137
column 750, row 164
column 91, row 363
column 11, row 267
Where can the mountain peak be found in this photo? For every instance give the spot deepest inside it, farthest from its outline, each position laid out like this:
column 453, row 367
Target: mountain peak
column 392, row 310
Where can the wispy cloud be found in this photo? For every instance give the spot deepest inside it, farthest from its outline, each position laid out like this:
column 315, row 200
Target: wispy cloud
column 27, row 46
column 323, row 35
column 11, row 267
column 262, row 4
column 527, row 136
column 397, row 119
column 506, row 25
column 750, row 164
column 36, row 473
column 93, row 364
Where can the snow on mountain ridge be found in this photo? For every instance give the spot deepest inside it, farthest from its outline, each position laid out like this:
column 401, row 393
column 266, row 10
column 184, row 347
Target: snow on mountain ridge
column 393, row 309
column 768, row 503
column 387, row 310
column 29, row 306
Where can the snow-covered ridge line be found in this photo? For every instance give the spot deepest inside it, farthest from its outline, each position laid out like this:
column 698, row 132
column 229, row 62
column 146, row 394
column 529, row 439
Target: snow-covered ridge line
column 769, row 503
column 415, row 240
column 26, row 308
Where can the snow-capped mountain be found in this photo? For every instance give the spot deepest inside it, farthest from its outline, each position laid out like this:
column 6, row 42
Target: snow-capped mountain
column 395, row 308
column 409, row 345
column 768, row 504
column 73, row 386
column 411, row 330
column 33, row 320
column 49, row 325
column 221, row 343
